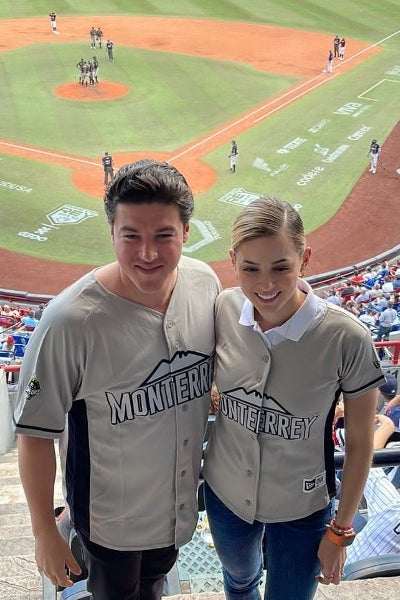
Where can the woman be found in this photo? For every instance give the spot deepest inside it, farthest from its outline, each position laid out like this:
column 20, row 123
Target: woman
column 284, row 356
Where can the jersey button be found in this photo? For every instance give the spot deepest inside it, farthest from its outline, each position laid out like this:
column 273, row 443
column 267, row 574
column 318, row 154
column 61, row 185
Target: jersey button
column 249, row 473
column 170, row 324
column 185, row 407
column 248, row 502
column 181, row 506
column 183, row 473
column 185, row 442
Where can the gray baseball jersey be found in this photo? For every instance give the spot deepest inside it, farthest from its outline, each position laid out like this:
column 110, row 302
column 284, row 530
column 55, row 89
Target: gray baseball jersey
column 270, row 455
column 136, row 387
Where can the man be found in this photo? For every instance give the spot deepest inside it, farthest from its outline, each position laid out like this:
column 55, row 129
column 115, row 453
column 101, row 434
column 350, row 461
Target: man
column 373, row 153
column 387, row 319
column 108, row 167
column 53, row 22
column 336, row 44
column 93, row 35
column 126, row 353
column 233, row 156
column 110, row 46
column 99, row 36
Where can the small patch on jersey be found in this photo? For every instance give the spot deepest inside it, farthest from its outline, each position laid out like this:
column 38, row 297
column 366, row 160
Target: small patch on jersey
column 309, row 485
column 33, row 388
column 377, row 364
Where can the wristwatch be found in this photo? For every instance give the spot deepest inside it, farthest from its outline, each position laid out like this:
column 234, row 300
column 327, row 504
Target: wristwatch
column 340, row 539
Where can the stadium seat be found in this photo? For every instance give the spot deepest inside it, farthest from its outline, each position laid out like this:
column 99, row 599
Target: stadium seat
column 387, row 565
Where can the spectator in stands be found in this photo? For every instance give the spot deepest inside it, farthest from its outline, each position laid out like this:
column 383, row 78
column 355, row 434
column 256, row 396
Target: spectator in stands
column 348, row 290
column 7, row 311
column 126, row 353
column 38, row 312
column 376, row 291
column 370, row 276
column 391, row 399
column 387, row 391
column 29, row 322
column 379, row 303
column 269, row 464
column 387, row 285
column 384, row 270
column 363, row 296
column 387, row 319
column 334, row 298
column 396, row 282
column 396, row 302
column 381, row 534
column 369, row 318
column 8, row 344
column 351, row 307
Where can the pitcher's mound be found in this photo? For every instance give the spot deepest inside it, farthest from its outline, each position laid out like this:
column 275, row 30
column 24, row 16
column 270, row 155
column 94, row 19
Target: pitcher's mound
column 104, row 90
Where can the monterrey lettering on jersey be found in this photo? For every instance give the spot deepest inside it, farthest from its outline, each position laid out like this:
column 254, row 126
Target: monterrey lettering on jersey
column 273, row 419
column 186, row 377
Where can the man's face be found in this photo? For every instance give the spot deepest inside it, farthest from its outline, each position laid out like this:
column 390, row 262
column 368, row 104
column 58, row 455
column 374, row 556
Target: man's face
column 148, row 242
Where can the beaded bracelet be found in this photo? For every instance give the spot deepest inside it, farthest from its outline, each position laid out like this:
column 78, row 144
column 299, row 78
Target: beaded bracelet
column 339, row 530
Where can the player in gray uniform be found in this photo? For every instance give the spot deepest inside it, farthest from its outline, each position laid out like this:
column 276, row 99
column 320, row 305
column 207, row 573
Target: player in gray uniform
column 126, row 355
column 283, row 357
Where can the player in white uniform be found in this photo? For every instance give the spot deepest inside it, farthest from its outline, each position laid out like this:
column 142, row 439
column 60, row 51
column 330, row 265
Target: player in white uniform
column 373, row 153
column 283, row 357
column 126, row 353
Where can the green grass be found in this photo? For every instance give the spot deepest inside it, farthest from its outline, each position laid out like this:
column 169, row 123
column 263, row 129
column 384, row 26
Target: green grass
column 175, row 99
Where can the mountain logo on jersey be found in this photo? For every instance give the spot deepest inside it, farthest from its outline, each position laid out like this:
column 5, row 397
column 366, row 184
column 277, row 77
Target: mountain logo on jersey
column 262, row 414
column 186, row 377
column 33, row 388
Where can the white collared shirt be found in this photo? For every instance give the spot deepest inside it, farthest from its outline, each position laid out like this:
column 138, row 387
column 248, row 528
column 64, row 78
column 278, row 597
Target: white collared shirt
column 305, row 318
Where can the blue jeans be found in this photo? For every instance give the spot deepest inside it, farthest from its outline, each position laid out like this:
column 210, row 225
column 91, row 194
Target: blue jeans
column 291, row 553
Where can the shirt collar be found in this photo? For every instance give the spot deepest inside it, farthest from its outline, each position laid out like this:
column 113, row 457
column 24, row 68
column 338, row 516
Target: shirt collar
column 295, row 327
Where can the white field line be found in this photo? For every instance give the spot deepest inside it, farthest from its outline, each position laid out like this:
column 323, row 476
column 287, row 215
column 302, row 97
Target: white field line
column 223, row 129
column 362, row 95
column 46, row 153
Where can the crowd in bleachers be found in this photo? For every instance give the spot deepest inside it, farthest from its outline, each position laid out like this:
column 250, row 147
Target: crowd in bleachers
column 373, row 297
column 16, row 325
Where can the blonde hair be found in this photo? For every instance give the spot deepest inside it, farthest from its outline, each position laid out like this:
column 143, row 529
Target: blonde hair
column 265, row 217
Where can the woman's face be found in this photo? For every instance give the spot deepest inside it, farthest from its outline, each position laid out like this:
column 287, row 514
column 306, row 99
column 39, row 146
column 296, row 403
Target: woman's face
column 267, row 269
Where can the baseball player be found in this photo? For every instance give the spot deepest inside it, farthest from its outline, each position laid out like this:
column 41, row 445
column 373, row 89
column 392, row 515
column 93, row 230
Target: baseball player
column 94, row 64
column 108, row 167
column 53, row 22
column 125, row 355
column 85, row 73
column 373, row 154
column 99, row 36
column 329, row 64
column 233, row 156
column 342, row 48
column 93, row 34
column 80, row 67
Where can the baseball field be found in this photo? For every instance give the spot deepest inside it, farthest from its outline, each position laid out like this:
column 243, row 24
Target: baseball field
column 189, row 76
